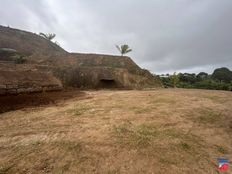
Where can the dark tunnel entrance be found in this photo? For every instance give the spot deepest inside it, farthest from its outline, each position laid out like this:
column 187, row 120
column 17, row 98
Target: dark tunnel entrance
column 107, row 83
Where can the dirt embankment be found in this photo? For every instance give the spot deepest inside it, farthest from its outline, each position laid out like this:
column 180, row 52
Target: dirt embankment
column 14, row 102
column 72, row 69
column 27, row 43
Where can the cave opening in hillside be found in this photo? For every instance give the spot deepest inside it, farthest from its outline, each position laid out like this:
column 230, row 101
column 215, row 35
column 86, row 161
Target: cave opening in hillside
column 107, row 83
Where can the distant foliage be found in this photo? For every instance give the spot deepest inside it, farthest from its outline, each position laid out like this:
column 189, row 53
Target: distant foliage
column 174, row 79
column 222, row 74
column 221, row 79
column 48, row 36
column 202, row 76
column 123, row 49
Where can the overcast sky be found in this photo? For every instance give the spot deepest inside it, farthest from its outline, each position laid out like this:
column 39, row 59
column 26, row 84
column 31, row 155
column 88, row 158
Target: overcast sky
column 165, row 35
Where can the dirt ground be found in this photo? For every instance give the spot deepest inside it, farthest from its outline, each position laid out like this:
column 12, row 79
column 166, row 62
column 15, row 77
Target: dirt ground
column 157, row 131
column 14, row 102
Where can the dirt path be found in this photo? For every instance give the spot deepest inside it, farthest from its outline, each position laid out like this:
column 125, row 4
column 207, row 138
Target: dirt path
column 159, row 131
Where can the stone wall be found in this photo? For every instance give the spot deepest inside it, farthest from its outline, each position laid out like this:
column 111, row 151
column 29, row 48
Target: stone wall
column 15, row 89
column 16, row 82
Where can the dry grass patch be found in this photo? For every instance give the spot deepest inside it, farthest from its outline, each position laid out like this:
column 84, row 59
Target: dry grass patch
column 5, row 168
column 139, row 136
column 163, row 100
column 147, row 135
column 79, row 109
column 70, row 146
column 45, row 157
column 161, row 131
column 206, row 116
column 142, row 110
column 216, row 98
column 221, row 149
column 168, row 146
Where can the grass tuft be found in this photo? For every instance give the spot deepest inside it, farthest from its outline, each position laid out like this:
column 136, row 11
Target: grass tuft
column 221, row 149
column 5, row 169
column 185, row 146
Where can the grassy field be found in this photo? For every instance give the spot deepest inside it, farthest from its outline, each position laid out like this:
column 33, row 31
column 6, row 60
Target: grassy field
column 158, row 131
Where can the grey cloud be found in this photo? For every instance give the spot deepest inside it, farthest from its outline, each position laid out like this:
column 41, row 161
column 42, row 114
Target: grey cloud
column 165, row 35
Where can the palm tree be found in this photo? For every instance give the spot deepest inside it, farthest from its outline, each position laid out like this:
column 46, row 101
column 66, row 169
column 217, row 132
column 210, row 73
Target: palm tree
column 48, row 36
column 123, row 49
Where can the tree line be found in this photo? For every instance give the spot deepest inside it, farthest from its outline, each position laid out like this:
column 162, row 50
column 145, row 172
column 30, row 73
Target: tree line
column 220, row 79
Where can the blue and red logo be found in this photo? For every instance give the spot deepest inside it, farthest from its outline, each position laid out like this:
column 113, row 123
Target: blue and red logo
column 223, row 164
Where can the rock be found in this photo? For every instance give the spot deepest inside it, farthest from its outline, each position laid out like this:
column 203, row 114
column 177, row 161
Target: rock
column 11, row 91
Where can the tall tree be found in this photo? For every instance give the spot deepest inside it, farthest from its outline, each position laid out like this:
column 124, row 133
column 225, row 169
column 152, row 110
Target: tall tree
column 123, row 49
column 48, row 36
column 201, row 76
column 174, row 79
column 222, row 74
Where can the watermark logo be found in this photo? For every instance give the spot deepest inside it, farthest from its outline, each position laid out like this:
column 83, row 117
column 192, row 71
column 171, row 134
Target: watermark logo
column 223, row 164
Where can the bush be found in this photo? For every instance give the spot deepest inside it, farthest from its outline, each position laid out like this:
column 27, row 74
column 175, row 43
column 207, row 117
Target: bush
column 201, row 81
column 19, row 59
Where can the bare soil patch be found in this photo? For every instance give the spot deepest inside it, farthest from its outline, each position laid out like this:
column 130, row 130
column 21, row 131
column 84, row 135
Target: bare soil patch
column 14, row 102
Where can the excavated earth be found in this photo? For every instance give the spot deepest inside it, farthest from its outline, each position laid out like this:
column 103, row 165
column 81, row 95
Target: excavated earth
column 48, row 67
column 22, row 101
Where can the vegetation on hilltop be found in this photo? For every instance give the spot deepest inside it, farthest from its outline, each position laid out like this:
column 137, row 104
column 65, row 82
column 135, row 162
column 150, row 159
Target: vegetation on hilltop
column 123, row 49
column 48, row 36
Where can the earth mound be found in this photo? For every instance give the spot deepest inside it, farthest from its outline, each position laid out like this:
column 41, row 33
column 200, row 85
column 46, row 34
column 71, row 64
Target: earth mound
column 29, row 59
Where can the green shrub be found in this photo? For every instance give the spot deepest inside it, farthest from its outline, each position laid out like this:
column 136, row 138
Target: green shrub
column 19, row 59
column 200, row 81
